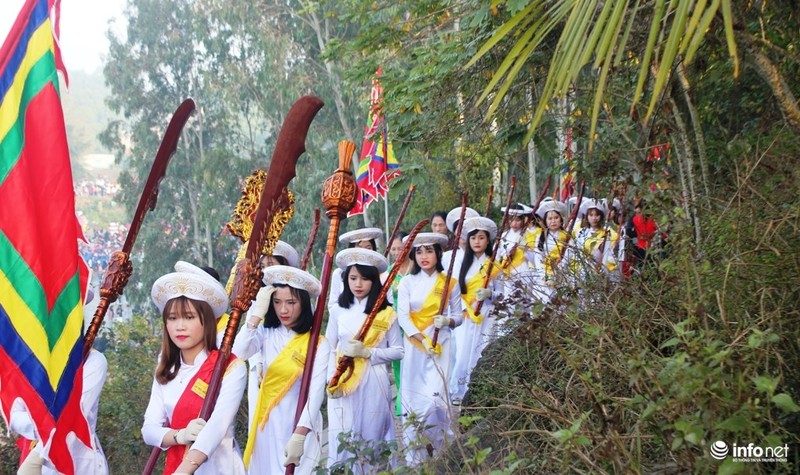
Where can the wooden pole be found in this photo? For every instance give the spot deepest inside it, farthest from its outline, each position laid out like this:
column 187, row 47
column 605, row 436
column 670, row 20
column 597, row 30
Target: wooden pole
column 400, row 217
column 447, row 287
column 338, row 197
column 274, row 197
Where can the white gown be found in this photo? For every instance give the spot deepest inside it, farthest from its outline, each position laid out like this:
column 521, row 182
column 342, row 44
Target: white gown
column 270, row 442
column 544, row 284
column 367, row 413
column 336, row 286
column 424, row 379
column 471, row 339
column 87, row 461
column 520, row 274
column 218, row 445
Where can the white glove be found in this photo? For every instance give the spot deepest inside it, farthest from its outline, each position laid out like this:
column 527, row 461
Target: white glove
column 32, row 465
column 261, row 303
column 483, row 294
column 294, row 449
column 189, row 434
column 428, row 347
column 440, row 321
column 356, row 349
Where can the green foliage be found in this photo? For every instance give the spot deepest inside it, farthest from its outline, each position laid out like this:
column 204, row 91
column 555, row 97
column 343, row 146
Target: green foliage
column 131, row 349
column 684, row 355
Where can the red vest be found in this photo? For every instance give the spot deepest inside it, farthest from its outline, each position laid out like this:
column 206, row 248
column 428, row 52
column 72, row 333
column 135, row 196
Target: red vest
column 188, row 407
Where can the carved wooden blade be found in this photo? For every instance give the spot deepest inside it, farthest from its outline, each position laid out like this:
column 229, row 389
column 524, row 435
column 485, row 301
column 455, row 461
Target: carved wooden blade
column 165, row 152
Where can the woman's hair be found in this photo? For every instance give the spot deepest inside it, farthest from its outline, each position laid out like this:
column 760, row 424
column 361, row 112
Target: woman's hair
column 546, row 231
column 170, row 361
column 469, row 258
column 440, row 214
column 437, row 248
column 280, row 259
column 585, row 220
column 346, row 298
column 400, row 235
column 371, row 241
column 303, row 324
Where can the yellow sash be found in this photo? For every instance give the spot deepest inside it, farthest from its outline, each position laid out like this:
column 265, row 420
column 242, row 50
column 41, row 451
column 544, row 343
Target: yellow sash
column 383, row 321
column 222, row 322
column 553, row 257
column 279, row 378
column 423, row 318
column 473, row 284
column 592, row 247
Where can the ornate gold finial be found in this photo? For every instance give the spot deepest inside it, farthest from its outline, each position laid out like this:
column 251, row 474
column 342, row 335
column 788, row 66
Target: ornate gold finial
column 241, row 224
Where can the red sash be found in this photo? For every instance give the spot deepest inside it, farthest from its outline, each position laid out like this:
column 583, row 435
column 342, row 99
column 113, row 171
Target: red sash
column 188, row 407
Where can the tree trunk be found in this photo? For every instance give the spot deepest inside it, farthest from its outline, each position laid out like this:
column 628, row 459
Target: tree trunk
column 532, row 157
column 697, row 127
column 685, row 161
column 209, row 246
column 773, row 77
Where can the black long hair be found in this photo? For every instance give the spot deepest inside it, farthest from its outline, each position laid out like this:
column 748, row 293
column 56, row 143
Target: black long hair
column 437, row 248
column 371, row 241
column 346, row 298
column 303, row 324
column 469, row 258
column 546, row 231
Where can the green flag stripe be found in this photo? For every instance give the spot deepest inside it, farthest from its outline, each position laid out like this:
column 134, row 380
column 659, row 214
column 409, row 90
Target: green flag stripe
column 42, row 73
column 32, row 294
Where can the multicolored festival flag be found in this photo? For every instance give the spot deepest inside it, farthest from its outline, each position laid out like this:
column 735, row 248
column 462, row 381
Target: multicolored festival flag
column 42, row 277
column 378, row 163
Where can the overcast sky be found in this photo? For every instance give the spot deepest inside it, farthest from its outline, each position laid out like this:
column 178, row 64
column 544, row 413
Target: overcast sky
column 83, row 29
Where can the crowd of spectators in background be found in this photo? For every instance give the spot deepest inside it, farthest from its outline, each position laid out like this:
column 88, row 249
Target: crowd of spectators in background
column 101, row 244
column 96, row 187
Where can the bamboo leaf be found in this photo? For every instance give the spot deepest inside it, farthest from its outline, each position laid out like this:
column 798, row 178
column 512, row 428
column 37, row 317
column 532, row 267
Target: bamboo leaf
column 501, row 33
column 501, row 93
column 595, row 29
column 669, row 54
column 644, row 71
column 727, row 16
column 508, row 61
column 552, row 19
column 612, row 31
column 693, row 22
column 700, row 33
column 623, row 44
column 601, row 86
column 571, row 57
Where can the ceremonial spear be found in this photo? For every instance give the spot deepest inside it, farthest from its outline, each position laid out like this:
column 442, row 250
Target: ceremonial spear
column 497, row 239
column 502, row 228
column 572, row 218
column 447, row 288
column 402, row 214
column 602, row 247
column 119, row 265
column 489, row 201
column 338, row 197
column 346, row 363
column 274, row 197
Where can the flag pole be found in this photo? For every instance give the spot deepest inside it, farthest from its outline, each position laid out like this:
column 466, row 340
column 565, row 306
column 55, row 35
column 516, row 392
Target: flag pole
column 386, row 169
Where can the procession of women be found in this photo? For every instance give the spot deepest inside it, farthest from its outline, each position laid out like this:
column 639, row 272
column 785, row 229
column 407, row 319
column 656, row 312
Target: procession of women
column 412, row 322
